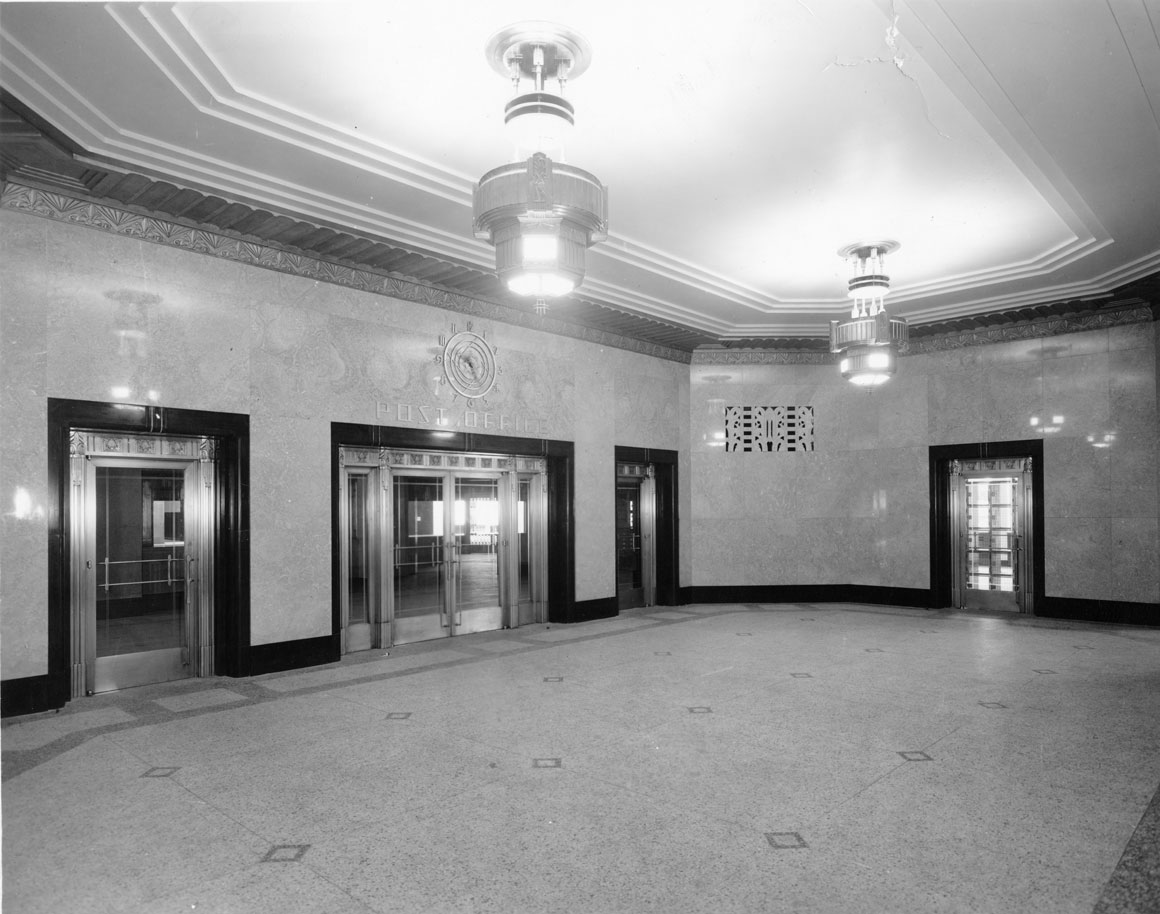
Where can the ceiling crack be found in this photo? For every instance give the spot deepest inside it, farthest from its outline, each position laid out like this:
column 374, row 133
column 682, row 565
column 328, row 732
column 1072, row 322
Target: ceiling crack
column 897, row 59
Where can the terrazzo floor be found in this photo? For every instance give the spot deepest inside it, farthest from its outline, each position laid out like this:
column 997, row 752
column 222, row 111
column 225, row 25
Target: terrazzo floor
column 734, row 758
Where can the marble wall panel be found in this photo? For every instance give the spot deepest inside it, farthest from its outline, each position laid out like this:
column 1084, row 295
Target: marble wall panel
column 749, row 550
column 172, row 268
column 819, row 551
column 647, row 404
column 290, row 540
column 737, row 484
column 902, row 551
column 293, row 361
column 109, row 339
column 1076, row 388
column 595, row 482
column 955, row 413
column 1013, row 394
column 1076, row 479
column 23, row 533
column 1078, row 557
column 1131, row 539
column 1132, row 489
column 23, row 337
column 75, row 249
column 1132, row 336
column 903, row 422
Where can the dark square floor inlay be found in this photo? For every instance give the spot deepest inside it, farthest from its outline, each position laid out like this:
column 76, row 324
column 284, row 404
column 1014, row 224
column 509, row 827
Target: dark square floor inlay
column 1043, row 671
column 807, row 619
column 1084, row 647
column 700, row 710
column 398, row 715
column 875, row 650
column 285, row 853
column 992, row 704
column 161, row 772
column 662, row 653
column 916, row 756
column 744, row 634
column 547, row 763
column 785, row 840
column 553, row 679
column 802, row 675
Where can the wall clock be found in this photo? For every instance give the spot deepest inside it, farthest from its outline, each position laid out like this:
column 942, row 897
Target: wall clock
column 468, row 361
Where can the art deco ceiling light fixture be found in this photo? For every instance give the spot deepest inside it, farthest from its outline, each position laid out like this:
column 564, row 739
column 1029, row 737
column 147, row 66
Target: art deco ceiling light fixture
column 540, row 214
column 870, row 340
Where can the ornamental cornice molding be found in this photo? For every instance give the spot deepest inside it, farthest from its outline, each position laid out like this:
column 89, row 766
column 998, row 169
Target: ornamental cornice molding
column 76, row 211
column 1031, row 329
column 943, row 342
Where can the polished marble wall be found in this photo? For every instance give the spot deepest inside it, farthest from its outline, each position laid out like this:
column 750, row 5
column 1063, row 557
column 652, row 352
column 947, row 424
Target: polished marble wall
column 86, row 312
column 856, row 509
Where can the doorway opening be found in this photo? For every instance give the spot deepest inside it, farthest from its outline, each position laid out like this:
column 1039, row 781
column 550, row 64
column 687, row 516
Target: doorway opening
column 435, row 545
column 646, row 540
column 142, row 559
column 990, row 533
column 987, row 526
column 148, row 549
column 635, row 535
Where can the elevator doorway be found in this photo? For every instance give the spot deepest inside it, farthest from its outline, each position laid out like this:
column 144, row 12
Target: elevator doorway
column 142, row 538
column 635, row 535
column 991, row 502
column 437, row 545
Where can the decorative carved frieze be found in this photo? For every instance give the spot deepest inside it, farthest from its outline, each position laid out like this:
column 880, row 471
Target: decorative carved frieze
column 992, row 465
column 392, row 457
column 760, row 357
column 99, row 444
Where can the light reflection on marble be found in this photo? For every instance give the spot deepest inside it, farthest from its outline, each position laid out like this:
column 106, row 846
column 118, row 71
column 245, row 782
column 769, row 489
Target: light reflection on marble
column 105, row 334
column 1076, row 388
column 23, row 532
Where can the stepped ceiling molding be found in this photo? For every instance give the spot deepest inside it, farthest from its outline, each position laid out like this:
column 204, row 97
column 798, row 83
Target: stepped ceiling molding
column 1013, row 148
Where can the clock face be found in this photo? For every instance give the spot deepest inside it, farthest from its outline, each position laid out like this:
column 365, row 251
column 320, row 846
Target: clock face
column 469, row 364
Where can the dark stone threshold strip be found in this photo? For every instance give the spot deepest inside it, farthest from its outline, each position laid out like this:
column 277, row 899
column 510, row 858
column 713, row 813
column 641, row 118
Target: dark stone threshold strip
column 1135, row 884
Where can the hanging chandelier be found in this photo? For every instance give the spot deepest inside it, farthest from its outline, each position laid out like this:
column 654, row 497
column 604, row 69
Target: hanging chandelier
column 869, row 341
column 540, row 214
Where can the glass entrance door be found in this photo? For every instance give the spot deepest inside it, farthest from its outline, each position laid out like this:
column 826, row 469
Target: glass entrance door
column 990, row 515
column 360, row 553
column 419, row 562
column 629, row 551
column 528, row 572
column 448, row 549
column 137, row 563
column 435, row 544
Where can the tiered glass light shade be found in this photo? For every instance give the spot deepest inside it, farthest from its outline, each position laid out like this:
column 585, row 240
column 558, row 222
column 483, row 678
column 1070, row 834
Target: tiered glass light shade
column 540, row 214
column 869, row 341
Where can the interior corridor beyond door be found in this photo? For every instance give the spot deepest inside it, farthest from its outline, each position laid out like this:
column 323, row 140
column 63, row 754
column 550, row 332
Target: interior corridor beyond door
column 436, row 545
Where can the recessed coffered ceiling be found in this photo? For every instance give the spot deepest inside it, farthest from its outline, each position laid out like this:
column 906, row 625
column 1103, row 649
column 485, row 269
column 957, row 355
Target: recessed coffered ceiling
column 1013, row 148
